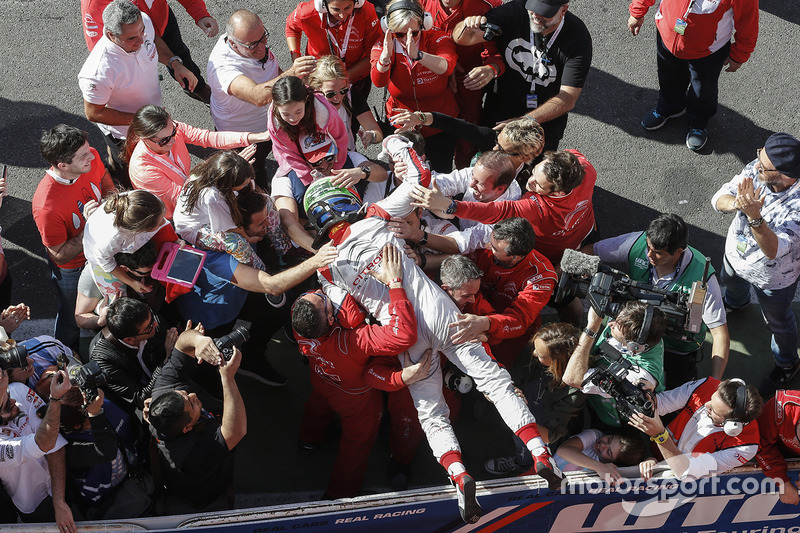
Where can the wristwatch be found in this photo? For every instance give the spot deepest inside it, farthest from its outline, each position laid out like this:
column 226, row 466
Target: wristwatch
column 661, row 438
column 755, row 223
column 451, row 210
column 592, row 334
column 424, row 240
column 366, row 170
column 419, row 57
column 174, row 58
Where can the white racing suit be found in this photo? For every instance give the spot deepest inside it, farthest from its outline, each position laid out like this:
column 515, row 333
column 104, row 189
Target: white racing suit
column 360, row 251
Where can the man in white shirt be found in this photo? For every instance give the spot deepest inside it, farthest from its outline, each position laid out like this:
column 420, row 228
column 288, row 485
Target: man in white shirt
column 121, row 75
column 241, row 72
column 32, row 466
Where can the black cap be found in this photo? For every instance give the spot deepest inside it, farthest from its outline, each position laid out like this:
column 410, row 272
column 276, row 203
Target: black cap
column 783, row 151
column 545, row 8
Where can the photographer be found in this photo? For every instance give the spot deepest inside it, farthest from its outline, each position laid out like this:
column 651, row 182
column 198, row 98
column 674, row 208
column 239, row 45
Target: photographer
column 32, row 470
column 101, row 455
column 636, row 333
column 715, row 430
column 195, row 448
column 661, row 256
column 131, row 351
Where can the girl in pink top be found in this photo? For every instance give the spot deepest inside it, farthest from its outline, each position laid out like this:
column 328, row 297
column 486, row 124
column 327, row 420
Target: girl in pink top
column 157, row 155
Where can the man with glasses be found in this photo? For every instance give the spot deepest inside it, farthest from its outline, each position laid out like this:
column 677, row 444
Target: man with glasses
column 33, row 469
column 762, row 250
column 547, row 50
column 131, row 350
column 241, row 72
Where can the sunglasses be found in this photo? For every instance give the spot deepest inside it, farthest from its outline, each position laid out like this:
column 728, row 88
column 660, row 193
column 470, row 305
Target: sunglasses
column 327, row 159
column 331, row 94
column 150, row 327
column 165, row 140
column 504, row 151
column 254, row 44
column 402, row 34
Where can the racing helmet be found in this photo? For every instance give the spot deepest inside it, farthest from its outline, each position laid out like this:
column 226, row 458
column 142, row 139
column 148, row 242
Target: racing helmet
column 327, row 205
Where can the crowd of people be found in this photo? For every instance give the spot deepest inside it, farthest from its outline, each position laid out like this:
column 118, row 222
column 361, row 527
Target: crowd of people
column 433, row 262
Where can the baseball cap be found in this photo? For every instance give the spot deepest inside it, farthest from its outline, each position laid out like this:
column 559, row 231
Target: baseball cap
column 783, row 151
column 317, row 148
column 545, row 8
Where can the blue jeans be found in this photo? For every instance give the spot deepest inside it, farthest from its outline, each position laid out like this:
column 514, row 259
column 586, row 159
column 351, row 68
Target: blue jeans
column 66, row 280
column 776, row 307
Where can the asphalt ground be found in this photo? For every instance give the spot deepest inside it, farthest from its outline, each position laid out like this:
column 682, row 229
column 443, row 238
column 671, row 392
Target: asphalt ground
column 640, row 174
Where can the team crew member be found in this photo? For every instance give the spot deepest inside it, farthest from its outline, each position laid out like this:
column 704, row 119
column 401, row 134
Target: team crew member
column 344, row 28
column 558, row 203
column 359, row 245
column 778, row 427
column 416, row 62
column 350, row 364
column 715, row 430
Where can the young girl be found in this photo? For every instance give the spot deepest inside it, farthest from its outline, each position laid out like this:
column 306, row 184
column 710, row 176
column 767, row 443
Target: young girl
column 124, row 223
column 156, row 153
column 330, row 78
column 207, row 215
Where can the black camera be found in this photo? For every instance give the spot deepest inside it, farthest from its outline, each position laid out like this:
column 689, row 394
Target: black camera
column 89, row 378
column 491, row 31
column 607, row 290
column 629, row 398
column 15, row 357
column 237, row 338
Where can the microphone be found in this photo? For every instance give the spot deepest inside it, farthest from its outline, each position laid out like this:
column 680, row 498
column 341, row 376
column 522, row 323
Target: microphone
column 576, row 263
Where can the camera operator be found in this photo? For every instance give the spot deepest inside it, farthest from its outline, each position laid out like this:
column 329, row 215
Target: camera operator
column 32, row 470
column 636, row 333
column 661, row 256
column 131, row 351
column 195, row 448
column 101, row 455
column 715, row 430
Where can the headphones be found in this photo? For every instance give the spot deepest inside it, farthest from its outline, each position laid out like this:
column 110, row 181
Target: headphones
column 639, row 345
column 322, row 5
column 733, row 426
column 407, row 5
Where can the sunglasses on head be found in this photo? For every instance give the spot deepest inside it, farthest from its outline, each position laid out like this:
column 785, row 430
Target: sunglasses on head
column 504, row 151
column 402, row 34
column 331, row 94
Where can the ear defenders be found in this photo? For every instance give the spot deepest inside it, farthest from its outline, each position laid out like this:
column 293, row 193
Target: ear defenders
column 408, row 5
column 322, row 5
column 639, row 345
column 733, row 426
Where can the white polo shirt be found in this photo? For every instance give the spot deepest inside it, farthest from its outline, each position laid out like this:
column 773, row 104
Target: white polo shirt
column 121, row 80
column 224, row 66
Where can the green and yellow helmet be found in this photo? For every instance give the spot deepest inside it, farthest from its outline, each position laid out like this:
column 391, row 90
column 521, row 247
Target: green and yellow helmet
column 327, row 205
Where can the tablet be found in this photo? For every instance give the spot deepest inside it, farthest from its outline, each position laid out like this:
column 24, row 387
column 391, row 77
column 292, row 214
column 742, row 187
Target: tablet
column 178, row 265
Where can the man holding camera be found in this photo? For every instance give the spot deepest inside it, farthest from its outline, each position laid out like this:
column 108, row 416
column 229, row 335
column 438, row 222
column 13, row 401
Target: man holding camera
column 32, row 469
column 195, row 447
column 636, row 334
column 662, row 257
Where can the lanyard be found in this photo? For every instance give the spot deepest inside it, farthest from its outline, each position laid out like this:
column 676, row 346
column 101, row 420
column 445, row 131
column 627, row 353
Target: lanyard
column 168, row 161
column 543, row 53
column 688, row 9
column 332, row 42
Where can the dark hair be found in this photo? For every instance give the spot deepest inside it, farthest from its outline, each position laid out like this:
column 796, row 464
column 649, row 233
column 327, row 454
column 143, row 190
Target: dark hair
column 147, row 121
column 126, row 316
column 631, row 319
column 727, row 393
column 500, row 164
column 561, row 339
column 72, row 412
column 143, row 257
column 292, row 89
column 308, row 320
column 250, row 202
column 668, row 232
column 632, row 449
column 519, row 234
column 563, row 169
column 59, row 144
column 223, row 170
column 417, row 140
column 136, row 211
column 168, row 414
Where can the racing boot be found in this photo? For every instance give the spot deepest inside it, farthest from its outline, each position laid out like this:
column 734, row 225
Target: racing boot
column 468, row 504
column 545, row 466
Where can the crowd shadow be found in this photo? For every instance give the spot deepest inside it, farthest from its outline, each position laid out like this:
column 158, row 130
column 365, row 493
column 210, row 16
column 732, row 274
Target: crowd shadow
column 613, row 101
column 788, row 11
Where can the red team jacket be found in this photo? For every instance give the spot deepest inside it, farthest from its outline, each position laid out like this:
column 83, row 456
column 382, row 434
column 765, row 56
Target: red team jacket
column 517, row 294
column 364, row 32
column 560, row 222
column 349, row 359
column 777, row 425
column 710, row 22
